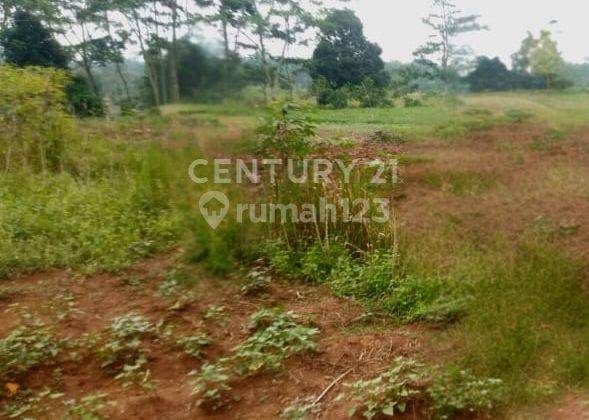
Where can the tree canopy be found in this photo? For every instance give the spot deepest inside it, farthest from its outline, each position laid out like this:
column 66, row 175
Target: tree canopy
column 28, row 43
column 344, row 57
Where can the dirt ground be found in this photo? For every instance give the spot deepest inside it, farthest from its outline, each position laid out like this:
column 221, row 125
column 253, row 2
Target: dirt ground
column 533, row 183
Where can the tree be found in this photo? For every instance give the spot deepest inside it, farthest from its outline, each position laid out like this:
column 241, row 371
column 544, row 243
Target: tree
column 545, row 59
column 521, row 59
column 490, row 75
column 47, row 11
column 284, row 23
column 29, row 43
column 447, row 22
column 344, row 57
column 541, row 58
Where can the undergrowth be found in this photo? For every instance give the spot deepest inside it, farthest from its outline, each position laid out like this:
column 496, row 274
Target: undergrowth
column 274, row 337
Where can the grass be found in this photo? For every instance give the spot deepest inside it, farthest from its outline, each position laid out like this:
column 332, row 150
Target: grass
column 438, row 117
column 461, row 182
column 510, row 309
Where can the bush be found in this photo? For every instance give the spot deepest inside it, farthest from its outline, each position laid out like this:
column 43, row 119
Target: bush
column 328, row 96
column 454, row 392
column 82, row 100
column 35, row 125
column 370, row 95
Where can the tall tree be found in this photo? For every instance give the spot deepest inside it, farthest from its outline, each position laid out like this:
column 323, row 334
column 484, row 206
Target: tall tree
column 447, row 23
column 521, row 59
column 545, row 59
column 270, row 22
column 29, row 43
column 344, row 56
column 539, row 57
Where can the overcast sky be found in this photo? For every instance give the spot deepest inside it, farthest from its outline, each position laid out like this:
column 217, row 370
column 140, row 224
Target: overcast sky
column 397, row 27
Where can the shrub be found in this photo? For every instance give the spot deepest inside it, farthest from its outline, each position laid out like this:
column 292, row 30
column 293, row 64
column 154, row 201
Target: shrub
column 380, row 282
column 370, row 95
column 285, row 134
column 328, row 96
column 83, row 101
column 35, row 126
column 454, row 392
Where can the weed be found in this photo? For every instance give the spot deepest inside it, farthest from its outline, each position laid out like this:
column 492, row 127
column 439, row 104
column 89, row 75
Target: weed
column 517, row 319
column 275, row 337
column 517, row 116
column 176, row 282
column 123, row 351
column 381, row 136
column 257, row 282
column 454, row 392
column 88, row 407
column 26, row 348
column 549, row 140
column 27, row 404
column 216, row 313
column 211, row 386
column 451, row 130
column 284, row 134
column 301, row 409
column 387, row 394
column 193, row 345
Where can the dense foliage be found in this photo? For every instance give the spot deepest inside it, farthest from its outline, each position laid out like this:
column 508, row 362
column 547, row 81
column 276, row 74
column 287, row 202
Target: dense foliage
column 345, row 58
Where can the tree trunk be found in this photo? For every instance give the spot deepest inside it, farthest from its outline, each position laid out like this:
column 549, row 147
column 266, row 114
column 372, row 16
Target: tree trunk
column 265, row 68
column 151, row 73
column 174, row 83
column 117, row 64
column 123, row 80
column 87, row 65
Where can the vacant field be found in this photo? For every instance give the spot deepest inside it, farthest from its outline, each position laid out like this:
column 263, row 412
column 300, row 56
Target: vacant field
column 475, row 305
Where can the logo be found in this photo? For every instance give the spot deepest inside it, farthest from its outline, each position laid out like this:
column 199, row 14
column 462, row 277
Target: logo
column 214, row 206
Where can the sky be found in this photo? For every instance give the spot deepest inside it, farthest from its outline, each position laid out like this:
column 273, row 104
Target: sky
column 397, row 27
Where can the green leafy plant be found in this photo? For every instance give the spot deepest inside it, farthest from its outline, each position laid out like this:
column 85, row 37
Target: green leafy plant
column 217, row 313
column 26, row 348
column 88, row 407
column 193, row 345
column 455, row 391
column 124, row 352
column 35, row 125
column 257, row 282
column 211, row 386
column 387, row 394
column 284, row 133
column 275, row 337
column 301, row 409
column 28, row 404
column 176, row 283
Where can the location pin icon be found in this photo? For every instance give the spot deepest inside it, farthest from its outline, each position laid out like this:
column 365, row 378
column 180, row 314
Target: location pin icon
column 214, row 206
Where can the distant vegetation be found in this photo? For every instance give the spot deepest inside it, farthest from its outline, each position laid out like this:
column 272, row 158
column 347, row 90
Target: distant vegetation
column 91, row 40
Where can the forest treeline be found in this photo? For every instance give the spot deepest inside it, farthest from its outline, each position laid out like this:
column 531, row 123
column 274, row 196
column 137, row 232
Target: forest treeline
column 97, row 42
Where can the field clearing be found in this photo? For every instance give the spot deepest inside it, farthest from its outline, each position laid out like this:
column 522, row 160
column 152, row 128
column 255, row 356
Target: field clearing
column 492, row 215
